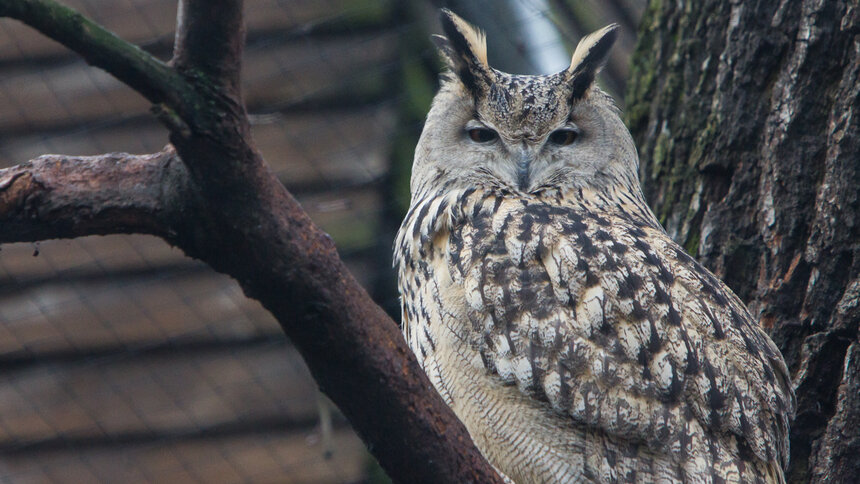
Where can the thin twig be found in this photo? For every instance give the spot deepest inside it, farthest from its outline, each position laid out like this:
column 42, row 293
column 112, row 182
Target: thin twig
column 133, row 66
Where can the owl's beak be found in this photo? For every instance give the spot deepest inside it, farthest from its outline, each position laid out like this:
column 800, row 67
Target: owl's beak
column 524, row 169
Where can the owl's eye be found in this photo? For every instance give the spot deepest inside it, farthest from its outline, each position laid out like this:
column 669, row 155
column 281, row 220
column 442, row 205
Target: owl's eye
column 482, row 135
column 563, row 137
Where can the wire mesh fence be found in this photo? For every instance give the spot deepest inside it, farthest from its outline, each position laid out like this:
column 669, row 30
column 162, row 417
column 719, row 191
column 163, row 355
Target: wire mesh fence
column 122, row 360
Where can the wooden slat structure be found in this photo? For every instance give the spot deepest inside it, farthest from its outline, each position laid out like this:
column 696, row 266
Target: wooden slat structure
column 122, row 360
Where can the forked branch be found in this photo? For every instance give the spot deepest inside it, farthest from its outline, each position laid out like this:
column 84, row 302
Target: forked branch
column 222, row 204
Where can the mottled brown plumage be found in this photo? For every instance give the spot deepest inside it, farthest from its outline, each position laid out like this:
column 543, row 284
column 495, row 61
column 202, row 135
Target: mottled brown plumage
column 571, row 335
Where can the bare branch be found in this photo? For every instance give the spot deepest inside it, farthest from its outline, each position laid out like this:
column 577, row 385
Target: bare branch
column 239, row 219
column 57, row 196
column 258, row 234
column 145, row 74
column 210, row 37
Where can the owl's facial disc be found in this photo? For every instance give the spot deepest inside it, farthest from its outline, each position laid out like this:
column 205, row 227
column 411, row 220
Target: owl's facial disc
column 524, row 135
column 520, row 133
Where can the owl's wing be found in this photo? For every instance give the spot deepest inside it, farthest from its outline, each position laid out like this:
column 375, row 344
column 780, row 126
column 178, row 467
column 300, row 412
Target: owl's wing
column 609, row 321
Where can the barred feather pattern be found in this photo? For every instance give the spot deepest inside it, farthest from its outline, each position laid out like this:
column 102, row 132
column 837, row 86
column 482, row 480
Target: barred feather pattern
column 578, row 342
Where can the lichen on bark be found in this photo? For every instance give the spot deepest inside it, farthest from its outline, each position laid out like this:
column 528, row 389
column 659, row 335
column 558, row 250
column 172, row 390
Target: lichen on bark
column 746, row 116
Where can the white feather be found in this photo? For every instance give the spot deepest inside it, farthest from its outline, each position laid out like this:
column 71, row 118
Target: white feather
column 586, row 44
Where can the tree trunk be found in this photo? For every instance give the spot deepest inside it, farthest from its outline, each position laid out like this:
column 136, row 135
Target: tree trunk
column 746, row 115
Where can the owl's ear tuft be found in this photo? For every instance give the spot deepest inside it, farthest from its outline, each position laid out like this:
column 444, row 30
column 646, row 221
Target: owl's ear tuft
column 589, row 58
column 465, row 50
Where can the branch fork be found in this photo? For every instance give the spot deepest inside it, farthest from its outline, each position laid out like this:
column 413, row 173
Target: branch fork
column 214, row 197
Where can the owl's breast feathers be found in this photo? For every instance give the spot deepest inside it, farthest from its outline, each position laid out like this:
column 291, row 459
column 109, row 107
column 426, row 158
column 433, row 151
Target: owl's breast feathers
column 595, row 311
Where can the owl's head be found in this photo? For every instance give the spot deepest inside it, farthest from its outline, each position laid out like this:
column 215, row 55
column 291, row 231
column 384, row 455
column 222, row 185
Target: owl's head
column 522, row 134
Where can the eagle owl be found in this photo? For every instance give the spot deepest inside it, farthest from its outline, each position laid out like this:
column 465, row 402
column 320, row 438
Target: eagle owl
column 574, row 339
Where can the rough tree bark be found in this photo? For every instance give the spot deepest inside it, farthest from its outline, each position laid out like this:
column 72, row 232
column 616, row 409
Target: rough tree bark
column 215, row 198
column 746, row 114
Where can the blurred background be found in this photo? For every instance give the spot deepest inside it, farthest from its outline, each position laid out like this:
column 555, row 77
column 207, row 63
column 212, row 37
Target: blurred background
column 121, row 360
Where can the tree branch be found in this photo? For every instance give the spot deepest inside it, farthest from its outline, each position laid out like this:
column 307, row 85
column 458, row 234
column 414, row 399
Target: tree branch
column 57, row 196
column 210, row 37
column 229, row 210
column 142, row 72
